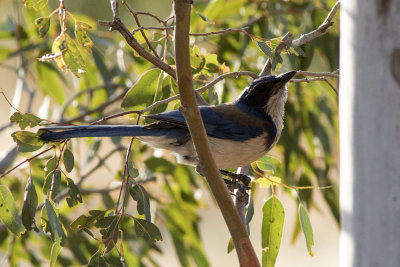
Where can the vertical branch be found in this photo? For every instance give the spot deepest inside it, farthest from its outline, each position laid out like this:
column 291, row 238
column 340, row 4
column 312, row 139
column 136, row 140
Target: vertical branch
column 244, row 249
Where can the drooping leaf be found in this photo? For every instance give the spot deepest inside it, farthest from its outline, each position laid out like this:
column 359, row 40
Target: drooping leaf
column 52, row 181
column 82, row 37
column 133, row 172
column 49, row 82
column 264, row 48
column 29, row 206
column 27, row 141
column 52, row 222
column 142, row 92
column 55, row 251
column 68, row 159
column 75, row 196
column 25, row 120
column 9, row 213
column 147, row 230
column 139, row 194
column 201, row 15
column 307, row 229
column 272, row 226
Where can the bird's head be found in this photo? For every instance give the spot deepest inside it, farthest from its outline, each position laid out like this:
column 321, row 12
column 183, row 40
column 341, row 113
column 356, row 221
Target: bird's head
column 268, row 91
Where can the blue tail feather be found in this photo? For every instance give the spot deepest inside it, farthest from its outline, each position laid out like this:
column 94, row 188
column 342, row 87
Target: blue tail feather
column 65, row 132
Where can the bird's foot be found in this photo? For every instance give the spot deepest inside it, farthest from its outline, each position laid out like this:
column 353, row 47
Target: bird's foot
column 244, row 179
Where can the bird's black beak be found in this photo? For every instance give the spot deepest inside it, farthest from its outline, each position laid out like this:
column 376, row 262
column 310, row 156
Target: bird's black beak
column 285, row 77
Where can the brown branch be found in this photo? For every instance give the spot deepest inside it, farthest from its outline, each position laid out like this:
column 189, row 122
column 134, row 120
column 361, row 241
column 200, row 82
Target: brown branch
column 315, row 79
column 219, row 32
column 121, row 28
column 152, row 28
column 246, row 254
column 135, row 16
column 287, row 39
column 321, row 30
column 318, row 74
column 25, row 161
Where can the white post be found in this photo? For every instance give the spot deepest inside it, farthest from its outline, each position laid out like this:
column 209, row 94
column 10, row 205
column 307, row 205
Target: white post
column 369, row 110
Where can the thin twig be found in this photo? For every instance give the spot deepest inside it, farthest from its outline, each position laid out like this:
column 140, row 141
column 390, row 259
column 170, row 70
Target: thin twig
column 135, row 16
column 152, row 28
column 315, row 79
column 321, row 30
column 25, row 161
column 318, row 74
column 229, row 30
column 121, row 28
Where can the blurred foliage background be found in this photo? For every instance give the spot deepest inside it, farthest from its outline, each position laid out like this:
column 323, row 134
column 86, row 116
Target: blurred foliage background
column 307, row 150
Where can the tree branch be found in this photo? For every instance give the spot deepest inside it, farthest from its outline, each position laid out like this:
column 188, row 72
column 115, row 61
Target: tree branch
column 121, row 28
column 194, row 121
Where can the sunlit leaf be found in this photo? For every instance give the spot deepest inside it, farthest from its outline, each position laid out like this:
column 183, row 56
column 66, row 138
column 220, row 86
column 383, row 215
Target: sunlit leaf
column 52, row 222
column 9, row 213
column 160, row 165
column 267, row 182
column 27, row 141
column 52, row 181
column 139, row 194
column 201, row 15
column 141, row 94
column 36, row 4
column 267, row 163
column 272, row 226
column 264, row 48
column 43, row 26
column 231, row 246
column 307, row 229
column 29, row 206
column 147, row 230
column 25, row 120
column 82, row 37
column 49, row 82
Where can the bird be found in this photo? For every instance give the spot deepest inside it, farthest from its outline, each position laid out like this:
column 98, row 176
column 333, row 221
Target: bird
column 239, row 132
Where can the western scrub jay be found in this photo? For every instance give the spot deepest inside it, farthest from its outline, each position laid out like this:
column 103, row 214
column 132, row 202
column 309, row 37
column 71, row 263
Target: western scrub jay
column 239, row 132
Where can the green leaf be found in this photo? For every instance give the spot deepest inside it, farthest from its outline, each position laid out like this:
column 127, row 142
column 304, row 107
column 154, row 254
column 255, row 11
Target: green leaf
column 82, row 37
column 202, row 16
column 27, row 141
column 68, row 159
column 73, row 57
column 97, row 260
column 53, row 180
column 268, row 163
column 147, row 230
column 29, row 206
column 264, row 48
column 4, row 53
column 43, row 26
column 265, row 183
column 141, row 94
column 9, row 213
column 307, row 229
column 36, row 4
column 55, row 251
column 49, row 82
column 231, row 245
column 139, row 194
column 84, row 221
column 160, row 165
column 75, row 196
column 25, row 120
column 52, row 223
column 250, row 211
column 272, row 226
column 133, row 172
